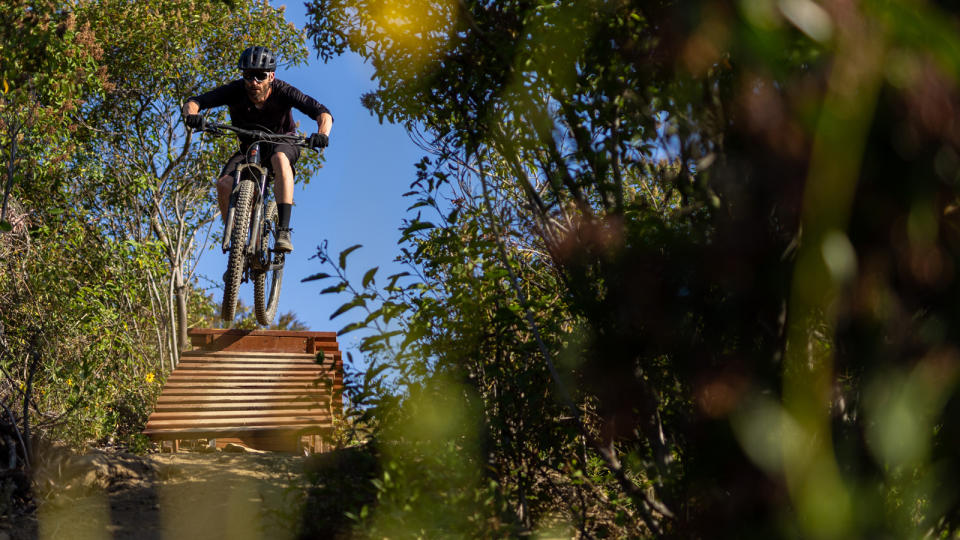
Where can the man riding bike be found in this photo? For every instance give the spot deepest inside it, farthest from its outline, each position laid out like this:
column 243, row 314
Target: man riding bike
column 259, row 100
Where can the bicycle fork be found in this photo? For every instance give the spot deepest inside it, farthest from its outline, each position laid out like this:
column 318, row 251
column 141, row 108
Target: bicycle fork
column 255, row 220
column 228, row 225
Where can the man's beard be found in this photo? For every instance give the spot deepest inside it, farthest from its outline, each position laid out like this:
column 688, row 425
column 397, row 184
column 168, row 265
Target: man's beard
column 257, row 93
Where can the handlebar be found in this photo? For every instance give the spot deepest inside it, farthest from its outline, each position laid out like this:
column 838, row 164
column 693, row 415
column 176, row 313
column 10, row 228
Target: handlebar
column 217, row 128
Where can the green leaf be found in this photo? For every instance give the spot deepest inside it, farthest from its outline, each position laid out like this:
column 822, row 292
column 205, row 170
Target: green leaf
column 418, row 226
column 350, row 328
column 348, row 251
column 372, row 372
column 315, row 277
column 368, row 277
column 356, row 302
column 5, row 226
column 339, row 287
column 418, row 204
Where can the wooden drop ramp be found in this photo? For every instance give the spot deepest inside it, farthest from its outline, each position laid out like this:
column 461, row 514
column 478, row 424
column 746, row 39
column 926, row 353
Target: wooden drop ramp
column 264, row 389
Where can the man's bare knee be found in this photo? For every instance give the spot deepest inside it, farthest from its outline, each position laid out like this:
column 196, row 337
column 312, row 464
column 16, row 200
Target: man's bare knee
column 280, row 159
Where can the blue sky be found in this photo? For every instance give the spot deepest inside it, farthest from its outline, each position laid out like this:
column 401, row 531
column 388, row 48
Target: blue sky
column 354, row 199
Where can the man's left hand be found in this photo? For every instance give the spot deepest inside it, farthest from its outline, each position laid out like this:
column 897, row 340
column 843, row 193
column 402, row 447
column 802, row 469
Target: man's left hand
column 319, row 140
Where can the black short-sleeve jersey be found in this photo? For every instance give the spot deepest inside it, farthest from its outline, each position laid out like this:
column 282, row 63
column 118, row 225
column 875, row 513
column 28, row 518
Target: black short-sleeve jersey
column 275, row 116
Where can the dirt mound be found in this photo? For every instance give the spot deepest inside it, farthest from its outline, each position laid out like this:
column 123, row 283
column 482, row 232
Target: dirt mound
column 237, row 495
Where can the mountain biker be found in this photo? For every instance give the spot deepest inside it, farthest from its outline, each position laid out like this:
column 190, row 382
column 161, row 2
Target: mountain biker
column 258, row 100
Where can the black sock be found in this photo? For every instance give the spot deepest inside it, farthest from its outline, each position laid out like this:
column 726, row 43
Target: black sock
column 283, row 212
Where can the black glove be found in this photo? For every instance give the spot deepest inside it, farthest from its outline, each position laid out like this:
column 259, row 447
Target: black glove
column 195, row 121
column 319, row 140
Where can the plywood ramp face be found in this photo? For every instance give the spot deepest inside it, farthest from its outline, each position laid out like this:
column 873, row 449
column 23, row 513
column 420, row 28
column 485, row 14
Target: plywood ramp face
column 269, row 390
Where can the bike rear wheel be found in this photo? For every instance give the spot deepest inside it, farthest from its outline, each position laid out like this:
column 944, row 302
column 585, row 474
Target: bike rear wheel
column 265, row 301
column 238, row 242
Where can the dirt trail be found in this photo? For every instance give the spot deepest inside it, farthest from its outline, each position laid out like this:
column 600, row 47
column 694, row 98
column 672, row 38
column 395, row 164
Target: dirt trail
column 167, row 496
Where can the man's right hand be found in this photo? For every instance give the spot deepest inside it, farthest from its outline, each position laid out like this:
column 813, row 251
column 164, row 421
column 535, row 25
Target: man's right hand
column 195, row 121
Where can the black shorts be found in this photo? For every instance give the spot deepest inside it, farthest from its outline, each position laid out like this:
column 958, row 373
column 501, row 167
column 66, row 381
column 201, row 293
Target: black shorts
column 266, row 151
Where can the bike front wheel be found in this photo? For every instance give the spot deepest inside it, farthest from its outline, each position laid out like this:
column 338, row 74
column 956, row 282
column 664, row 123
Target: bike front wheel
column 238, row 242
column 266, row 283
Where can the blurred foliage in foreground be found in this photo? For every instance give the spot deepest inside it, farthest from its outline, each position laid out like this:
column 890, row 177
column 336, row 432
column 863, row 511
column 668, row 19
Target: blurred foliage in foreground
column 677, row 269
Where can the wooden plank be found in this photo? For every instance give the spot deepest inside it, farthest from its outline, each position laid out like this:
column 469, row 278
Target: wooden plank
column 243, row 372
column 272, row 374
column 220, row 356
column 236, row 389
column 243, row 405
column 240, row 406
column 237, row 421
column 269, row 391
column 281, row 376
column 262, row 397
column 274, row 333
column 228, row 381
column 210, row 432
column 255, row 398
column 250, row 362
column 246, row 354
column 191, row 396
column 289, row 378
column 230, row 389
column 214, row 376
column 248, row 414
column 199, row 371
column 251, row 366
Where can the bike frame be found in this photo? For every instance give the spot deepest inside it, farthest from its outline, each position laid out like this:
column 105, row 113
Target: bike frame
column 251, row 256
column 261, row 177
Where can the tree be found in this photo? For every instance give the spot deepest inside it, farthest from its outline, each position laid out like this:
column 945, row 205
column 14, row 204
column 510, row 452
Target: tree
column 715, row 195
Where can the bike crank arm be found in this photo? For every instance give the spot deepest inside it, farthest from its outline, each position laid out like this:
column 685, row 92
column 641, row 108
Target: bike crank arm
column 277, row 263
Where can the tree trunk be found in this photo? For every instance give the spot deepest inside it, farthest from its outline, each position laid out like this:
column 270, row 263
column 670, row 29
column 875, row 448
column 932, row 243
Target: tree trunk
column 181, row 299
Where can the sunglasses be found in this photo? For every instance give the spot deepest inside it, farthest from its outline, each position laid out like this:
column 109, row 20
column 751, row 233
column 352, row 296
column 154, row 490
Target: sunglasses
column 258, row 75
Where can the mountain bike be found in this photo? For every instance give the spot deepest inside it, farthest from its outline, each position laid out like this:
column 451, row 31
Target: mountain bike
column 251, row 221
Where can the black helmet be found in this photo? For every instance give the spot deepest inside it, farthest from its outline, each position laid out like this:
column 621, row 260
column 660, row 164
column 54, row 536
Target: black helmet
column 257, row 58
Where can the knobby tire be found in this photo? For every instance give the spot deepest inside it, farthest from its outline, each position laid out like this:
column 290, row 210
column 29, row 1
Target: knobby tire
column 238, row 241
column 264, row 302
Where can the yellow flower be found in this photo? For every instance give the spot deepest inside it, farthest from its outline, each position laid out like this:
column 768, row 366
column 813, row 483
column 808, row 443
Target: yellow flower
column 149, row 378
column 69, row 382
